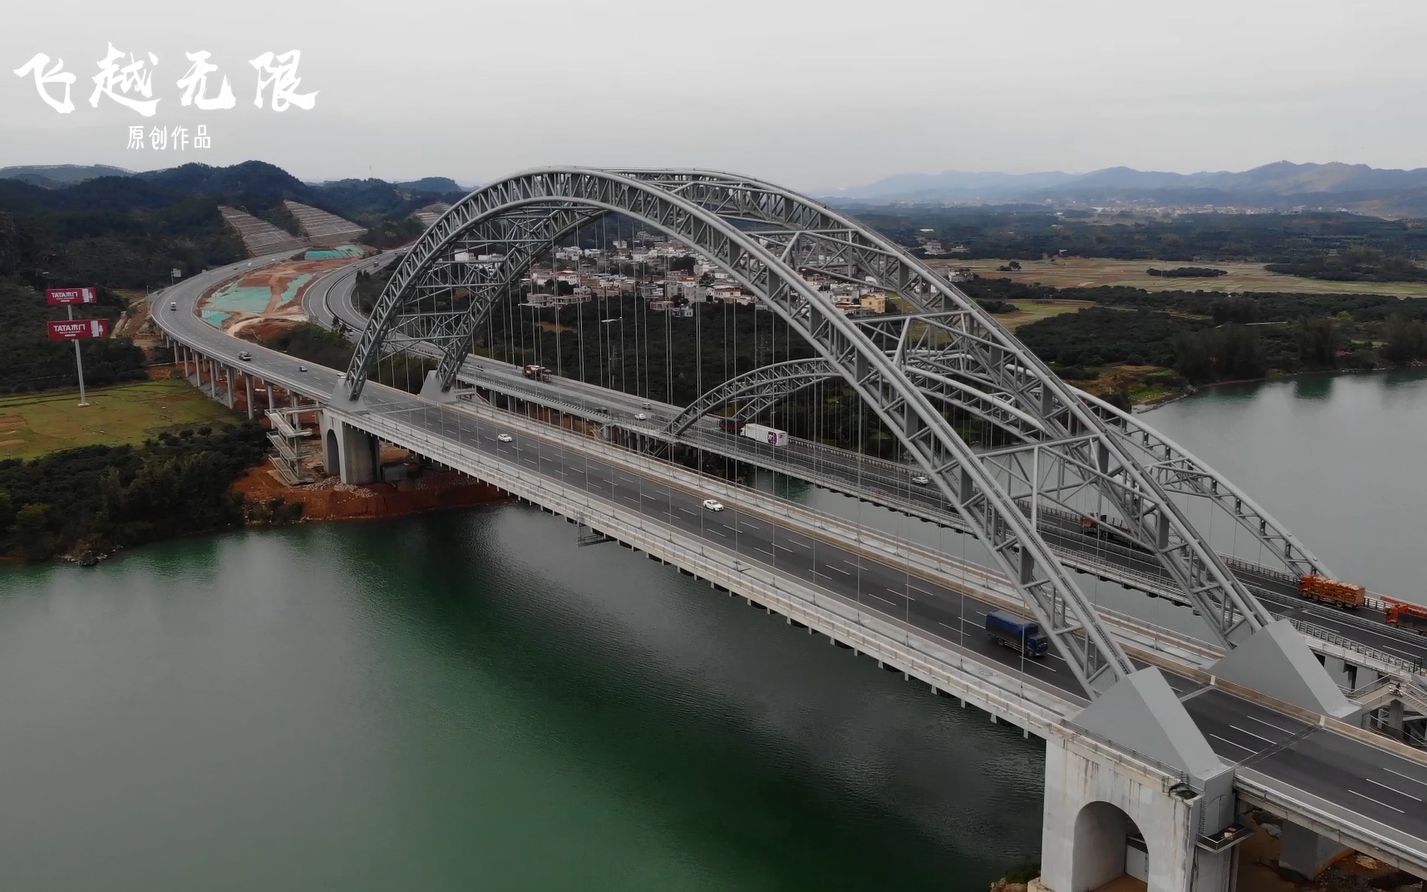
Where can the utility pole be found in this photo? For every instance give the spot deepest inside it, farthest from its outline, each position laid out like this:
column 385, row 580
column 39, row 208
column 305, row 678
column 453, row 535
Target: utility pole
column 78, row 360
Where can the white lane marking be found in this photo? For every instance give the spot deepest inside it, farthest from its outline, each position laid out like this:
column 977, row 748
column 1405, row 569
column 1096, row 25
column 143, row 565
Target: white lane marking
column 1393, row 789
column 716, row 531
column 1378, row 802
column 763, row 550
column 1231, row 743
column 755, row 525
column 838, row 569
column 783, row 547
column 1269, row 724
column 1253, row 735
column 1415, row 780
column 800, row 544
column 917, row 588
column 948, row 625
column 880, row 598
column 686, row 511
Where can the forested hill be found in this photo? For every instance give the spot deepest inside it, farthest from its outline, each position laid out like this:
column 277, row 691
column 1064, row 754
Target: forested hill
column 128, row 231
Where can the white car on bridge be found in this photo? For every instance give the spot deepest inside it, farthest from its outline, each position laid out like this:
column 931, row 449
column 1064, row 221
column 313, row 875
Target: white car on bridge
column 505, row 438
column 713, row 505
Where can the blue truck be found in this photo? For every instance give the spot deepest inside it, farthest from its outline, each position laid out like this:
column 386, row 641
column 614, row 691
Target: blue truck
column 1022, row 635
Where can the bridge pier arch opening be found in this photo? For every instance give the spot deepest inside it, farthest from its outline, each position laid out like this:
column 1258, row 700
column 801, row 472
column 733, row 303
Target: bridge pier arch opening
column 1108, row 845
column 331, row 452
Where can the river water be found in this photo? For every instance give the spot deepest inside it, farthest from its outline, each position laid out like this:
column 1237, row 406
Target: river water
column 472, row 701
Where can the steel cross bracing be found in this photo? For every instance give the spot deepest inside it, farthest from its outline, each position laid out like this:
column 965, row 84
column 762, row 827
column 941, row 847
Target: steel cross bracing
column 1178, row 471
column 1074, row 458
column 969, row 486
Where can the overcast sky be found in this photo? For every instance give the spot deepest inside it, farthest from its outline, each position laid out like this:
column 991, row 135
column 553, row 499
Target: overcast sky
column 813, row 94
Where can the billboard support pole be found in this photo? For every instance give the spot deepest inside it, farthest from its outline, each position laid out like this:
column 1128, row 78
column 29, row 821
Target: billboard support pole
column 78, row 362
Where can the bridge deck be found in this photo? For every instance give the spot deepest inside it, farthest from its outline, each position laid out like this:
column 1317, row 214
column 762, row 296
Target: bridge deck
column 1341, row 770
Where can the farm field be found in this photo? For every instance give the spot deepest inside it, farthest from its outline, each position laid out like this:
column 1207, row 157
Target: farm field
column 1088, row 272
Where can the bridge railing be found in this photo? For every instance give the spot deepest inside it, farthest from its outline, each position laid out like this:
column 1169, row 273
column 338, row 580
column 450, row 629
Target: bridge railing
column 1328, row 636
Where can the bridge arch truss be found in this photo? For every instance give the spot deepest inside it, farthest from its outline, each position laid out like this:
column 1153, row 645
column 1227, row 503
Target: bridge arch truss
column 941, row 351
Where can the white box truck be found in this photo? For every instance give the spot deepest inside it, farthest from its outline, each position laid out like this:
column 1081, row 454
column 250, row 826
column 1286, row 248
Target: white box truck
column 764, row 434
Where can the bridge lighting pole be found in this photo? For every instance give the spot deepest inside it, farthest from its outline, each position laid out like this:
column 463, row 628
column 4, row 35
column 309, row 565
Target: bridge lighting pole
column 608, row 340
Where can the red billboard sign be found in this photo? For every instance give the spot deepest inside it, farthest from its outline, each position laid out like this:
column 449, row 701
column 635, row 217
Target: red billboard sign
column 61, row 296
column 78, row 329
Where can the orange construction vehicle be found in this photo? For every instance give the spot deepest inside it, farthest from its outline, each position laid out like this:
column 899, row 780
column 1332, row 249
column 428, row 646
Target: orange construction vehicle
column 1332, row 591
column 1406, row 615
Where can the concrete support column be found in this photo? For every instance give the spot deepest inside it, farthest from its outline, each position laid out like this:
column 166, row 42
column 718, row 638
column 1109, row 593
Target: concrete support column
column 248, row 384
column 213, row 379
column 1339, row 671
column 348, row 451
column 1305, row 852
column 1107, row 817
column 268, row 387
column 228, row 387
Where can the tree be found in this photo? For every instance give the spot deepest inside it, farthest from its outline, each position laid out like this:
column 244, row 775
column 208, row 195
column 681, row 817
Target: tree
column 1194, row 357
column 32, row 533
column 1318, row 342
column 1406, row 340
column 1240, row 353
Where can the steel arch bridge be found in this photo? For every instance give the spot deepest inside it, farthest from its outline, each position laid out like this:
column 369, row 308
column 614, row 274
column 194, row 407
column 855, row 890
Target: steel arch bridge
column 941, row 352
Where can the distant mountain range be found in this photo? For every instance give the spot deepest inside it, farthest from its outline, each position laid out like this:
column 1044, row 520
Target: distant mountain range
column 1279, row 186
column 54, row 176
column 58, row 176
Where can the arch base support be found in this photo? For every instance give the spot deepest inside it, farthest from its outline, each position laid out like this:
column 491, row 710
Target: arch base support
column 1276, row 660
column 1149, row 806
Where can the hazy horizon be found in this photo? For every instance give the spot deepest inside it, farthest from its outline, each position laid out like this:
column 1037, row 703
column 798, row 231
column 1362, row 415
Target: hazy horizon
column 819, row 96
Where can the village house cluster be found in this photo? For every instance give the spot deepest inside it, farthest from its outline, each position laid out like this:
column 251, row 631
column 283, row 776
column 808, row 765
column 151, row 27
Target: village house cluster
column 670, row 277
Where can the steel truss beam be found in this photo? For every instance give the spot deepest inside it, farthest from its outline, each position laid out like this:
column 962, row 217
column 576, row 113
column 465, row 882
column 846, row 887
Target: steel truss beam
column 707, row 211
column 1177, row 470
column 974, row 349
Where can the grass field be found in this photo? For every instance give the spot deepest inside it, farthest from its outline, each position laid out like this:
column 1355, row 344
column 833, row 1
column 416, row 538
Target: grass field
column 33, row 424
column 1028, row 311
column 1087, row 272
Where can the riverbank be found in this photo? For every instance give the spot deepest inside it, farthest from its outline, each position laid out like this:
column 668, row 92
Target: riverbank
column 329, row 499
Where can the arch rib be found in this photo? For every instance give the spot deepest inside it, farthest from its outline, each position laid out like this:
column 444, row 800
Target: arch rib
column 883, row 384
column 826, row 241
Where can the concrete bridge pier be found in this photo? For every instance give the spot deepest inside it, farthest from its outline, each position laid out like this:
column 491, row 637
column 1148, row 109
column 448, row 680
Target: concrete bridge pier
column 1156, row 805
column 1305, row 852
column 352, row 453
column 228, row 387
